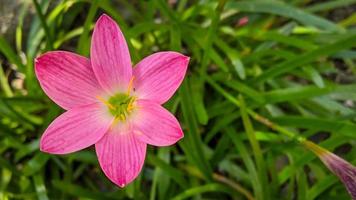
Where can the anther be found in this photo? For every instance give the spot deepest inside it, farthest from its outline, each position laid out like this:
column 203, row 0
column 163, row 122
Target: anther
column 105, row 102
column 130, row 85
column 122, row 116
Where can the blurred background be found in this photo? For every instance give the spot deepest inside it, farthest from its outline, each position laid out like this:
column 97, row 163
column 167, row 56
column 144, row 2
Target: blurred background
column 291, row 61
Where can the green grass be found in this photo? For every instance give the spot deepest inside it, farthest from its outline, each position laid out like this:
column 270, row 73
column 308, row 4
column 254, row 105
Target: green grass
column 292, row 63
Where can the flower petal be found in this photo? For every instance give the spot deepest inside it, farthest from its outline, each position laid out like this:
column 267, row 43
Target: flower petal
column 121, row 156
column 155, row 125
column 67, row 78
column 76, row 129
column 159, row 75
column 343, row 169
column 110, row 56
column 340, row 167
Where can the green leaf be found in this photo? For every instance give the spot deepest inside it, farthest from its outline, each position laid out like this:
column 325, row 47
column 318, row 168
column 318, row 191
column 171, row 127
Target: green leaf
column 174, row 173
column 10, row 54
column 334, row 126
column 346, row 42
column 84, row 40
column 192, row 142
column 77, row 190
column 315, row 76
column 197, row 97
column 257, row 152
column 329, row 5
column 212, row 187
column 285, row 10
column 35, row 164
column 40, row 187
column 253, row 173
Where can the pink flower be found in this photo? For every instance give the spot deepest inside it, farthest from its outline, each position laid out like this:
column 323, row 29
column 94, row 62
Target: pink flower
column 243, row 21
column 109, row 104
column 341, row 168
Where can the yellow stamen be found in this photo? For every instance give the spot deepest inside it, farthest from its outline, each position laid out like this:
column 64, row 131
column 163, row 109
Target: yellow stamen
column 131, row 102
column 130, row 85
column 129, row 109
column 122, row 116
column 130, row 105
column 105, row 102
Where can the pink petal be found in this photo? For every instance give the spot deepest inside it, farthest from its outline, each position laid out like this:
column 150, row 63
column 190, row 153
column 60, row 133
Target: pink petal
column 155, row 125
column 110, row 56
column 67, row 78
column 76, row 129
column 121, row 156
column 159, row 75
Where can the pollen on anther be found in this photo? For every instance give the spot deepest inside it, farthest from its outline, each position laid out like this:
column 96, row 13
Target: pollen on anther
column 130, row 85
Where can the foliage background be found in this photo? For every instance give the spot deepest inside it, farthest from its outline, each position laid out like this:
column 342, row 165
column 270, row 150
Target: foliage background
column 293, row 62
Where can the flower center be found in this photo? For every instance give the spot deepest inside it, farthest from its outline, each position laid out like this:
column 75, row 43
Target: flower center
column 121, row 105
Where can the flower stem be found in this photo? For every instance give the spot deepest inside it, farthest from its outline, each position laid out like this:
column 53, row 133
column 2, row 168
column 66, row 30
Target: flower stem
column 275, row 127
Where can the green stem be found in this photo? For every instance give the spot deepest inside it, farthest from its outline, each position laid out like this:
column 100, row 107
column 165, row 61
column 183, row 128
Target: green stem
column 275, row 127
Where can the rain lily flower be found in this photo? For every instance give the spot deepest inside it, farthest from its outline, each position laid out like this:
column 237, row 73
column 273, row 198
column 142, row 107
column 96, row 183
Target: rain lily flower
column 110, row 104
column 243, row 21
column 341, row 168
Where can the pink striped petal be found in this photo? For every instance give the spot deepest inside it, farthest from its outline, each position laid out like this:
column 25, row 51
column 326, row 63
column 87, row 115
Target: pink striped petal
column 155, row 125
column 110, row 56
column 67, row 78
column 159, row 75
column 76, row 129
column 121, row 156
